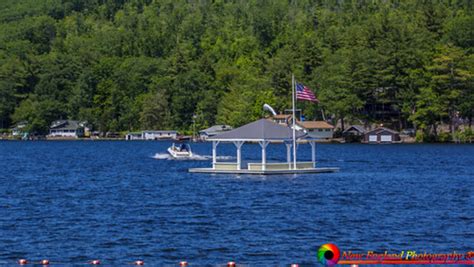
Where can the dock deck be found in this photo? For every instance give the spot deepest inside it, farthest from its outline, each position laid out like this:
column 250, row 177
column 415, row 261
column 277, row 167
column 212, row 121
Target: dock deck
column 264, row 172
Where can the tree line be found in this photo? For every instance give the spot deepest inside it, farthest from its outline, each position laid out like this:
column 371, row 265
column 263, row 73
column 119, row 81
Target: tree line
column 125, row 65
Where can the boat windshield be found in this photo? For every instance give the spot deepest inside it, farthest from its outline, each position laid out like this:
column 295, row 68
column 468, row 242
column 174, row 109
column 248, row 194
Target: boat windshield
column 184, row 147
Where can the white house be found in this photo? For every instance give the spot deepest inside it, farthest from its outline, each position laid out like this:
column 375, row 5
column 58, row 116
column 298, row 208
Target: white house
column 19, row 129
column 214, row 130
column 66, row 128
column 134, row 136
column 157, row 135
column 317, row 129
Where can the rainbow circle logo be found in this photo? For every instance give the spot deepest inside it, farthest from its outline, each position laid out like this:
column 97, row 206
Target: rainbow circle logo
column 328, row 254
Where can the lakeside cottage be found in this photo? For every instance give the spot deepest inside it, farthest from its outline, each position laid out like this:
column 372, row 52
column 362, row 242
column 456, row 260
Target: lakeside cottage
column 151, row 135
column 382, row 135
column 134, row 136
column 214, row 130
column 19, row 129
column 314, row 129
column 157, row 135
column 66, row 128
column 317, row 129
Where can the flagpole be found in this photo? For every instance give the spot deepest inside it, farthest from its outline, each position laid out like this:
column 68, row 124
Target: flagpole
column 293, row 85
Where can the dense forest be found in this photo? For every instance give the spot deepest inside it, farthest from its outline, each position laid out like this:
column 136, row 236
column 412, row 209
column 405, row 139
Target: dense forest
column 125, row 65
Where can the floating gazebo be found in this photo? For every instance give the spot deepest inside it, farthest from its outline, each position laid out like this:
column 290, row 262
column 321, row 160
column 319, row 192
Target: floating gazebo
column 263, row 132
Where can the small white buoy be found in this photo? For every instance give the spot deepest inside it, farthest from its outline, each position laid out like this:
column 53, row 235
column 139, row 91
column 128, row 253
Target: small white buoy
column 139, row 262
column 45, row 262
column 231, row 264
column 22, row 262
column 294, row 265
column 183, row 264
column 95, row 262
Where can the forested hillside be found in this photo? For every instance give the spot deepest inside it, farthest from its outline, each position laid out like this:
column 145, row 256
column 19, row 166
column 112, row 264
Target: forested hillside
column 145, row 64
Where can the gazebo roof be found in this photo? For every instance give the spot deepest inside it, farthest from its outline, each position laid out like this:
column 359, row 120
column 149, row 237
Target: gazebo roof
column 261, row 130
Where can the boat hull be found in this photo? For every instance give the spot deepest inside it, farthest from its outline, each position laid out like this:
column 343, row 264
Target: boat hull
column 179, row 154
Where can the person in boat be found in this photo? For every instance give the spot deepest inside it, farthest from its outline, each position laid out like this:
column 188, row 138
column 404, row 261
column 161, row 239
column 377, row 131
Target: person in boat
column 183, row 147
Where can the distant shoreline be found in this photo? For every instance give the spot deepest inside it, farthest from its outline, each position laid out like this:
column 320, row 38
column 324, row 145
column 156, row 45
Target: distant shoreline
column 172, row 140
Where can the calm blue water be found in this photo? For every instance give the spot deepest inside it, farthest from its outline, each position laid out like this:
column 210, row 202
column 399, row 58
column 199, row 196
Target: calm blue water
column 71, row 202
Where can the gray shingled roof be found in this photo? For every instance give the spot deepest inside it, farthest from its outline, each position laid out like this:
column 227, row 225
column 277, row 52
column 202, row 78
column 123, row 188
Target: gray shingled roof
column 216, row 129
column 359, row 128
column 260, row 130
column 381, row 129
column 65, row 125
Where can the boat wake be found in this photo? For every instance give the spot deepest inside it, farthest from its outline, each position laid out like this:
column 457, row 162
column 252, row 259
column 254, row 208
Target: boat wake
column 166, row 156
column 162, row 156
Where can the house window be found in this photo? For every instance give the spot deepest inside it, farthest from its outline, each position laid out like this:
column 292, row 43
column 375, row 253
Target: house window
column 328, row 130
column 320, row 130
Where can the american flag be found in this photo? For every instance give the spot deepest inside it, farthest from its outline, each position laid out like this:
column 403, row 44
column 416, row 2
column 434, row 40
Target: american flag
column 304, row 93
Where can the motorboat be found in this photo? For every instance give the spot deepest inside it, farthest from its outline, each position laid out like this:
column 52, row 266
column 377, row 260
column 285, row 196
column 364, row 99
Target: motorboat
column 181, row 151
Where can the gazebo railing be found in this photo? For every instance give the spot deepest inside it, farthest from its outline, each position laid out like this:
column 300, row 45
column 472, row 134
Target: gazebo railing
column 229, row 166
column 280, row 165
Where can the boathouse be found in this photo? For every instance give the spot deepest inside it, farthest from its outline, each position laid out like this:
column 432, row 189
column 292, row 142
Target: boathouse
column 382, row 135
column 158, row 135
column 355, row 133
column 264, row 132
column 134, row 136
column 356, row 130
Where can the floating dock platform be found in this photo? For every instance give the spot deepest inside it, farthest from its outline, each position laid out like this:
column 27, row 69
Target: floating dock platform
column 263, row 172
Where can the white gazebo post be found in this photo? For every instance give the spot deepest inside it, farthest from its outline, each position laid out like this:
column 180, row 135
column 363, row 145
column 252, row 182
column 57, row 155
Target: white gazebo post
column 238, row 145
column 293, row 86
column 264, row 144
column 288, row 154
column 214, row 153
column 313, row 153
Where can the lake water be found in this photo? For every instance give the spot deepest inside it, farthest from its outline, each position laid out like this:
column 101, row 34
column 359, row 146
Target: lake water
column 71, row 202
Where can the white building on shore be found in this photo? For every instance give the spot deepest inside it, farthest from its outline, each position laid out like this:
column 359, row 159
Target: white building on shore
column 151, row 135
column 66, row 128
column 317, row 129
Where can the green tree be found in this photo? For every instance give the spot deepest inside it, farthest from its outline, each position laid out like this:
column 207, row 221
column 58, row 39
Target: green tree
column 451, row 77
column 39, row 114
column 154, row 114
column 430, row 107
column 337, row 92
